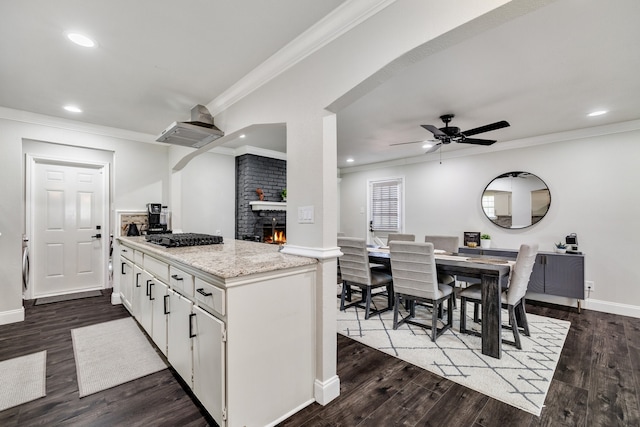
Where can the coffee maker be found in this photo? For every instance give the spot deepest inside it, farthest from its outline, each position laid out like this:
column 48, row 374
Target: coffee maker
column 154, row 212
column 572, row 244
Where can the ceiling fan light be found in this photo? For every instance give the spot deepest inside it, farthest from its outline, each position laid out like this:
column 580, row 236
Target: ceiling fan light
column 597, row 113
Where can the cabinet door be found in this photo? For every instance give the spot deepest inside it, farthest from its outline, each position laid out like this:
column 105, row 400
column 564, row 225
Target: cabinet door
column 126, row 282
column 146, row 304
column 158, row 292
column 209, row 363
column 564, row 276
column 138, row 293
column 179, row 331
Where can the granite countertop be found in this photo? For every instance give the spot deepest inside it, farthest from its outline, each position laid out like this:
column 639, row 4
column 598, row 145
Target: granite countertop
column 233, row 258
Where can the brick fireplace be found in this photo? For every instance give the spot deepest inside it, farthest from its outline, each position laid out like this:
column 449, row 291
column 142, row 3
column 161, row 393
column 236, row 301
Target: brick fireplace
column 253, row 172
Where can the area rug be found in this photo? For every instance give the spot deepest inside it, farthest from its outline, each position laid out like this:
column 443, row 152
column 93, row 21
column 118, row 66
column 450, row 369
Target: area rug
column 112, row 353
column 22, row 379
column 67, row 297
column 521, row 378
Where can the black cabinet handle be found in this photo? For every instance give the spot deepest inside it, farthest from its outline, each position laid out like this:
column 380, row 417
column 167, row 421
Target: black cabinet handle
column 175, row 276
column 137, row 281
column 165, row 304
column 191, row 316
column 122, row 268
column 147, row 291
column 151, row 289
column 202, row 292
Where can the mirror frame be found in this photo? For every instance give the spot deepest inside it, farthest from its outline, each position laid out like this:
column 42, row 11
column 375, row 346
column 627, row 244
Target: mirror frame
column 514, row 174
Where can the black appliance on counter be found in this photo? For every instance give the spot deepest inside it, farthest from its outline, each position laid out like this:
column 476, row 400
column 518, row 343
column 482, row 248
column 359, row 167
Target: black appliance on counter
column 154, row 211
column 174, row 240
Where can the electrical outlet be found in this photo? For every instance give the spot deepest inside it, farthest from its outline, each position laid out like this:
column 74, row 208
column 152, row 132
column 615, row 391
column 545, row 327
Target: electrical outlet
column 589, row 286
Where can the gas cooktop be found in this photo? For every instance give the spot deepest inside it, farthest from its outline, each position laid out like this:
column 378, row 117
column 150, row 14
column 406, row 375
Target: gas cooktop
column 174, row 240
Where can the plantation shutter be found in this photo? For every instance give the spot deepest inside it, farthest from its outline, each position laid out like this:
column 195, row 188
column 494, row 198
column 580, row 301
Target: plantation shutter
column 385, row 205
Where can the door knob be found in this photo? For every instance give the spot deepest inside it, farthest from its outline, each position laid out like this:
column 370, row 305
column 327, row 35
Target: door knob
column 97, row 236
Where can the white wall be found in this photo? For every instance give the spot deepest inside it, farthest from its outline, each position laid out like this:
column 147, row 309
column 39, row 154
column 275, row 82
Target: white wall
column 204, row 192
column 140, row 174
column 584, row 177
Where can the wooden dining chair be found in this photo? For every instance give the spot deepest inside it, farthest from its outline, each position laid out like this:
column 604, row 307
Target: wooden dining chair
column 355, row 271
column 415, row 279
column 513, row 298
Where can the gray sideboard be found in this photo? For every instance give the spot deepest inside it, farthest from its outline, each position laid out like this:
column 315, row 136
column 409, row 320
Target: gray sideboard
column 553, row 274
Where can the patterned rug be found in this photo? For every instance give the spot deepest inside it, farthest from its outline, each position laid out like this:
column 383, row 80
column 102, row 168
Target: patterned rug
column 521, row 378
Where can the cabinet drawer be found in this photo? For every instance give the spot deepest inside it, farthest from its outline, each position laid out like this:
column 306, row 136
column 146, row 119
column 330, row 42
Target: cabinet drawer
column 156, row 267
column 209, row 296
column 126, row 252
column 181, row 282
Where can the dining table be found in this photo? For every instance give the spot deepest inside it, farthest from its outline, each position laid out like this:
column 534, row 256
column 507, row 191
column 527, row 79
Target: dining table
column 490, row 271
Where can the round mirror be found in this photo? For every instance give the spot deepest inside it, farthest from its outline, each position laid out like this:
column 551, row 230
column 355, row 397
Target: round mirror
column 516, row 200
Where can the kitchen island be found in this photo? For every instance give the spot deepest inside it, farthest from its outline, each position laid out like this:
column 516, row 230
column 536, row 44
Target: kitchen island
column 235, row 320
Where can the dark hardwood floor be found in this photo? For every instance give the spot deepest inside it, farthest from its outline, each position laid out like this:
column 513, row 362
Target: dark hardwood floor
column 597, row 382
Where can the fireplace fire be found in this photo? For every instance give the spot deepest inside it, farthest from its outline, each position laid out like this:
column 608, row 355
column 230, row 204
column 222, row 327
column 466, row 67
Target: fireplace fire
column 277, row 238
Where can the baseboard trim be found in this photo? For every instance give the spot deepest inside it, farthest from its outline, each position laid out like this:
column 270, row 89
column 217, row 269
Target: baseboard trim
column 12, row 316
column 115, row 298
column 612, row 307
column 326, row 391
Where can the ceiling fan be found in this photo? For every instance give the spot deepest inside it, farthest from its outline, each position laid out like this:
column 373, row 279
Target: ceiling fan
column 448, row 133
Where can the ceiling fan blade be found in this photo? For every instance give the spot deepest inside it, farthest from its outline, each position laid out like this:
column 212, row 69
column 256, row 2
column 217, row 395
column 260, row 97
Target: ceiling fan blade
column 434, row 130
column 434, row 148
column 477, row 141
column 486, row 128
column 405, row 143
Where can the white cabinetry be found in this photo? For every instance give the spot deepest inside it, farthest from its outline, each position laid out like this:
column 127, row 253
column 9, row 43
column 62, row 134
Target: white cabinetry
column 126, row 282
column 179, row 331
column 146, row 304
column 209, row 361
column 157, row 293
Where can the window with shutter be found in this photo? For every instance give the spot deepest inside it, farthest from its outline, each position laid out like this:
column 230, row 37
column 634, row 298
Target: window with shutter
column 386, row 205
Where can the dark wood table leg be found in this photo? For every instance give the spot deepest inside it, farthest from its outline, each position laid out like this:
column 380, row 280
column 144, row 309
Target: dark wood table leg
column 491, row 317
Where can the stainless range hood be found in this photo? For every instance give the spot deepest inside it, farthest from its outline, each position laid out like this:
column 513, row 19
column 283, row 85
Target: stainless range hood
column 198, row 132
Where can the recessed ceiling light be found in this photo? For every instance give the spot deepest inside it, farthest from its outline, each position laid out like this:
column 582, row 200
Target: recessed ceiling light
column 243, row 136
column 81, row 39
column 350, row 160
column 597, row 113
column 72, row 108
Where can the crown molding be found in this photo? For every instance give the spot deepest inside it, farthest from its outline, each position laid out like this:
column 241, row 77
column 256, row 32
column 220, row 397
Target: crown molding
column 339, row 21
column 74, row 126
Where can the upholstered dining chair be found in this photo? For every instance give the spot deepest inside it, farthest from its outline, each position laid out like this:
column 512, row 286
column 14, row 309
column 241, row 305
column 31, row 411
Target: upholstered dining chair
column 401, row 237
column 448, row 244
column 355, row 271
column 415, row 279
column 513, row 298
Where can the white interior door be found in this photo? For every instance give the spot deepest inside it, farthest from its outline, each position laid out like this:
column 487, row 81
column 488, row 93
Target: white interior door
column 67, row 214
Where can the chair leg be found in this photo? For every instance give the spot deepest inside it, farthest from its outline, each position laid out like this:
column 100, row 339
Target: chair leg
column 367, row 302
column 451, row 302
column 395, row 311
column 343, row 295
column 521, row 317
column 514, row 328
column 476, row 312
column 434, row 321
column 463, row 315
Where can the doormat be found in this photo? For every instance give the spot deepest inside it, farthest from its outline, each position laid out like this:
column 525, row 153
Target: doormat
column 67, row 297
column 521, row 378
column 112, row 353
column 22, row 379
